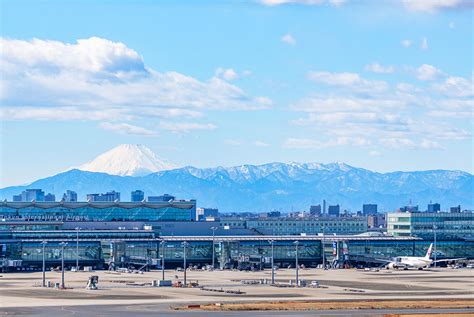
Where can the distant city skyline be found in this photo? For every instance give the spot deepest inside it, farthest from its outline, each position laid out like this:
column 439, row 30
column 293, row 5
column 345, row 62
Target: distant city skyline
column 138, row 196
column 385, row 86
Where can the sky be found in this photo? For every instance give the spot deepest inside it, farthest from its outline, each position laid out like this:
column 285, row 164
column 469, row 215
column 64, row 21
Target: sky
column 383, row 85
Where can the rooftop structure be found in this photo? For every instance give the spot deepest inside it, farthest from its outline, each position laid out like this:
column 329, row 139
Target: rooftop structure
column 165, row 197
column 107, row 197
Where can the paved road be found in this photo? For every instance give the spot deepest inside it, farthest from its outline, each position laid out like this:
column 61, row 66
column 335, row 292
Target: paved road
column 147, row 310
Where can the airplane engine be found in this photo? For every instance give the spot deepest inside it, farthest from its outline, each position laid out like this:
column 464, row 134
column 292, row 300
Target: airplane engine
column 392, row 266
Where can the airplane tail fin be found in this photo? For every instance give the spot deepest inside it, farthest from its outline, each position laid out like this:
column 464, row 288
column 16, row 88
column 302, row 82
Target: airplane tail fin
column 428, row 253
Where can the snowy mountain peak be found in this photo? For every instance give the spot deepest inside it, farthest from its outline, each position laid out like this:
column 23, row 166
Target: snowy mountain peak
column 127, row 160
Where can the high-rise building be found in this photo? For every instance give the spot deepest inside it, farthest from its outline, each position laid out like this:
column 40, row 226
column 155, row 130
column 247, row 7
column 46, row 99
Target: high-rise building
column 377, row 221
column 324, row 206
column 165, row 197
column 207, row 213
column 70, row 196
column 273, row 214
column 315, row 210
column 334, row 210
column 369, row 209
column 434, row 207
column 409, row 208
column 50, row 197
column 107, row 197
column 455, row 209
column 30, row 195
column 137, row 195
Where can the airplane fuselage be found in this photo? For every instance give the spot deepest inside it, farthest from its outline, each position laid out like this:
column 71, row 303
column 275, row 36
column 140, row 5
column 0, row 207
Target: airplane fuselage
column 414, row 262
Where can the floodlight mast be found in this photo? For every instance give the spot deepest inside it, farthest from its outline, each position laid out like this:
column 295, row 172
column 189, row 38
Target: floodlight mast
column 44, row 242
column 273, row 266
column 63, row 244
column 296, row 243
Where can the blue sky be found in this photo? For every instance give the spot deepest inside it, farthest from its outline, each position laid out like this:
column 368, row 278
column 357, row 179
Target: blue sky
column 381, row 85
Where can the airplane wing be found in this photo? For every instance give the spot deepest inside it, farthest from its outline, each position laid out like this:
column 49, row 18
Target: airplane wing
column 449, row 260
column 387, row 263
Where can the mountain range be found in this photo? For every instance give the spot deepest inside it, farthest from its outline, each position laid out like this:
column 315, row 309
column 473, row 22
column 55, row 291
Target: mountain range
column 259, row 188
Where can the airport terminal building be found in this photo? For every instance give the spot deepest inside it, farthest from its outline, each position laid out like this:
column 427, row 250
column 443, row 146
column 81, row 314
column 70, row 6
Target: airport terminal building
column 445, row 225
column 121, row 234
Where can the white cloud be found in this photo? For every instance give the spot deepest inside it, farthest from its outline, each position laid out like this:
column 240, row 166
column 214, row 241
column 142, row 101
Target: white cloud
column 233, row 142
column 94, row 75
column 427, row 72
column 93, row 55
column 306, row 143
column 406, row 43
column 407, row 88
column 402, row 143
column 429, row 6
column 346, row 104
column 365, row 112
column 338, row 3
column 391, row 120
column 125, row 128
column 264, row 101
column 302, row 143
column 185, row 127
column 246, row 73
column 377, row 68
column 442, row 131
column 261, row 144
column 63, row 114
column 454, row 108
column 87, row 113
column 375, row 153
column 452, row 114
column 435, row 5
column 288, row 39
column 353, row 141
column 456, row 87
column 397, row 143
column 424, row 43
column 351, row 81
column 227, row 74
column 431, row 145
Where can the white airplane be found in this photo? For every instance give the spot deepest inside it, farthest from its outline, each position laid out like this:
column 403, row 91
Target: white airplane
column 415, row 262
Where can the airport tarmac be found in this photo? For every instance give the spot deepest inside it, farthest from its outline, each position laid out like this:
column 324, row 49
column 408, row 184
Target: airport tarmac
column 22, row 291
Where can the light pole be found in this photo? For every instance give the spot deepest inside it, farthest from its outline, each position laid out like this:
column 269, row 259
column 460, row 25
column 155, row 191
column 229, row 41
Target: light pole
column 44, row 262
column 213, row 248
column 77, row 248
column 322, row 248
column 273, row 267
column 62, row 244
column 185, row 244
column 162, row 245
column 296, row 243
column 435, row 249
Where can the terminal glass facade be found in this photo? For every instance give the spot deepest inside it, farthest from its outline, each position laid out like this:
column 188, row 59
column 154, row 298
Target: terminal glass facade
column 444, row 249
column 352, row 225
column 164, row 211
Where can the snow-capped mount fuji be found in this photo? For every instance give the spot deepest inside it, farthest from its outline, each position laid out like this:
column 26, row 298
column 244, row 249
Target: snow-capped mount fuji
column 127, row 160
